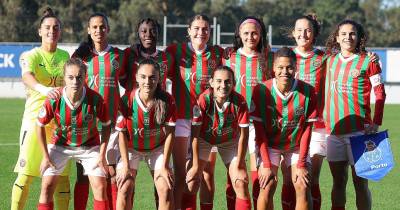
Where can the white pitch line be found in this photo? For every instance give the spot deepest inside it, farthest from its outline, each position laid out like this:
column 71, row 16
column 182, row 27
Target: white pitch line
column 9, row 144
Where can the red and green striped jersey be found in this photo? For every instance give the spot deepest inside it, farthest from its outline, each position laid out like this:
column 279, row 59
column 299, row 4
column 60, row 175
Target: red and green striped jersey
column 283, row 117
column 191, row 73
column 131, row 63
column 145, row 134
column 76, row 124
column 103, row 74
column 250, row 70
column 221, row 124
column 347, row 93
column 311, row 69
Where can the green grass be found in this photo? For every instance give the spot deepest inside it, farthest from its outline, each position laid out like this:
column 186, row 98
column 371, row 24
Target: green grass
column 385, row 193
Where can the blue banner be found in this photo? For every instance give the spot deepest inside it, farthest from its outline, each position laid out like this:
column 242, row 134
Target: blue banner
column 373, row 158
column 9, row 59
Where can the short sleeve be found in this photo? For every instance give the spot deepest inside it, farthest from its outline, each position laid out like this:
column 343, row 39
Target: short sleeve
column 171, row 49
column 120, row 124
column 102, row 113
column 170, row 119
column 312, row 113
column 243, row 114
column 254, row 111
column 199, row 110
column 27, row 62
column 46, row 114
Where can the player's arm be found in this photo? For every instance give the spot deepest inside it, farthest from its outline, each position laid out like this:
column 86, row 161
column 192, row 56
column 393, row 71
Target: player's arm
column 243, row 121
column 375, row 79
column 124, row 173
column 103, row 116
column 197, row 121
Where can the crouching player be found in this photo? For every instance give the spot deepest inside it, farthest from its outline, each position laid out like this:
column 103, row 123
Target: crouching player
column 283, row 111
column 223, row 121
column 76, row 113
column 148, row 118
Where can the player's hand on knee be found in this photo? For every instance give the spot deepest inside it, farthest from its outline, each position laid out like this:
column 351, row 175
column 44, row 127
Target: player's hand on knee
column 265, row 175
column 193, row 177
column 302, row 177
column 167, row 175
column 122, row 175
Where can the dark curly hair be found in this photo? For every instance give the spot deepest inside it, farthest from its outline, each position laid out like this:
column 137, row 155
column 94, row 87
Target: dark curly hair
column 332, row 47
column 316, row 25
column 148, row 21
column 237, row 41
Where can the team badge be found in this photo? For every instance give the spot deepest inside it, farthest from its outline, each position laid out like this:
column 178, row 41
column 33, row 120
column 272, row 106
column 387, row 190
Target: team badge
column 42, row 112
column 163, row 67
column 22, row 163
column 317, row 63
column 88, row 118
column 212, row 64
column 371, row 152
column 299, row 111
column 115, row 64
column 196, row 111
column 355, row 73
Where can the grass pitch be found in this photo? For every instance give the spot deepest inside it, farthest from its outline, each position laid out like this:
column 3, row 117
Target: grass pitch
column 385, row 193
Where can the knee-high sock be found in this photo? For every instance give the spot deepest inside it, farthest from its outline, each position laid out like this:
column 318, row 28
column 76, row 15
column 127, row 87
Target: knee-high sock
column 206, row 206
column 230, row 194
column 62, row 193
column 256, row 187
column 20, row 191
column 100, row 205
column 45, row 206
column 242, row 204
column 188, row 201
column 81, row 194
column 288, row 197
column 316, row 197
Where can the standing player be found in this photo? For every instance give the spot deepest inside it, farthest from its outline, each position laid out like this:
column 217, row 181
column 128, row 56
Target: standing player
column 147, row 30
column 148, row 118
column 283, row 111
column 351, row 76
column 194, row 63
column 75, row 113
column 104, row 68
column 41, row 73
column 223, row 122
column 251, row 61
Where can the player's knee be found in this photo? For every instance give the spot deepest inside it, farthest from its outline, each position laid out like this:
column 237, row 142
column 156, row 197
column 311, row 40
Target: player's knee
column 300, row 188
column 269, row 190
column 163, row 190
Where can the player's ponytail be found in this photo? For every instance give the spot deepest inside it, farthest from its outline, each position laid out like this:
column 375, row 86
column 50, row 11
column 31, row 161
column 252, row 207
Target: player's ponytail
column 48, row 13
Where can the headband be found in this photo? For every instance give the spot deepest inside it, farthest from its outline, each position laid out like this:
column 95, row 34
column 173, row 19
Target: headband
column 251, row 20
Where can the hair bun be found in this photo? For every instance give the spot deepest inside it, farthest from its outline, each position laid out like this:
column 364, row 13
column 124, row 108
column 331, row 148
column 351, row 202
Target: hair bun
column 48, row 12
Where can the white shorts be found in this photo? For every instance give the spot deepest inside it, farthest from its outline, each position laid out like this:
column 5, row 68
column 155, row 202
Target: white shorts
column 87, row 156
column 339, row 148
column 112, row 152
column 318, row 142
column 183, row 128
column 153, row 159
column 252, row 140
column 227, row 150
column 275, row 156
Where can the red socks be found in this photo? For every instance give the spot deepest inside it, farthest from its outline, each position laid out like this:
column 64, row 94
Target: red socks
column 188, row 201
column 81, row 194
column 316, row 197
column 230, row 194
column 288, row 197
column 338, row 208
column 45, row 206
column 100, row 205
column 242, row 204
column 256, row 187
column 112, row 191
column 206, row 206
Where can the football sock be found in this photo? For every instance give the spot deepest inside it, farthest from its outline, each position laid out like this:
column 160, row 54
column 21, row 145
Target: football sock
column 20, row 191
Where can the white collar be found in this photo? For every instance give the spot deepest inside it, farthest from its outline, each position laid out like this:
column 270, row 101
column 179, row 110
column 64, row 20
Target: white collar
column 304, row 54
column 344, row 60
column 224, row 106
column 102, row 53
column 145, row 55
column 240, row 50
column 198, row 52
column 69, row 103
column 139, row 101
column 294, row 85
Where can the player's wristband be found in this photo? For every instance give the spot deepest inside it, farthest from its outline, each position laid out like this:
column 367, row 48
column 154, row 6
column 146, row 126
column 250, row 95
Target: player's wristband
column 42, row 89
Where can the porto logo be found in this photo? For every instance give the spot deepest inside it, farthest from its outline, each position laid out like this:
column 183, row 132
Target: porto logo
column 212, row 64
column 371, row 152
column 42, row 112
column 115, row 64
column 299, row 111
column 88, row 118
column 317, row 63
column 355, row 73
column 196, row 111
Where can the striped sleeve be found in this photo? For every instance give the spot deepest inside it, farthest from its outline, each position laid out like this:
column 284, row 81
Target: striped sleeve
column 121, row 123
column 199, row 111
column 102, row 113
column 243, row 114
column 46, row 114
column 254, row 111
column 170, row 120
